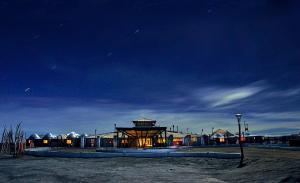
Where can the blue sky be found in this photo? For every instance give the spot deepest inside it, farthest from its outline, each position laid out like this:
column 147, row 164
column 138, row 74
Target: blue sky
column 80, row 65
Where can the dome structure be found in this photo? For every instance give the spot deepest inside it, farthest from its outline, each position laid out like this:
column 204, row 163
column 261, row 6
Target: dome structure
column 34, row 136
column 49, row 136
column 217, row 135
column 222, row 132
column 84, row 135
column 62, row 136
column 73, row 135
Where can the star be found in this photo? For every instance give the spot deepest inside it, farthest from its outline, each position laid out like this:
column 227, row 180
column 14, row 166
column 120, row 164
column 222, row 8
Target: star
column 27, row 90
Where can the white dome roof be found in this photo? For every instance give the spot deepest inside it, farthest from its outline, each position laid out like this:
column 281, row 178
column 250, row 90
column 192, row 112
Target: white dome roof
column 84, row 135
column 49, row 136
column 34, row 136
column 72, row 135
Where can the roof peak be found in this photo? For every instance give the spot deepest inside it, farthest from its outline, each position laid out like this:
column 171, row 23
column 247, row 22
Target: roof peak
column 144, row 119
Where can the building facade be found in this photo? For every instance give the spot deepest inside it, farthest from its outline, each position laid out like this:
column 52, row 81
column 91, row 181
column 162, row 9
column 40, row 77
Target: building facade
column 144, row 134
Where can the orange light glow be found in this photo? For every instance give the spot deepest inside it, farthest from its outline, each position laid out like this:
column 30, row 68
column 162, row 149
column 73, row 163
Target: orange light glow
column 222, row 139
column 145, row 142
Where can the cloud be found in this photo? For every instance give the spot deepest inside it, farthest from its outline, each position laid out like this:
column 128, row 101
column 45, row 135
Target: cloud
column 218, row 96
column 278, row 116
column 84, row 117
column 278, row 131
column 214, row 107
column 259, row 96
column 292, row 92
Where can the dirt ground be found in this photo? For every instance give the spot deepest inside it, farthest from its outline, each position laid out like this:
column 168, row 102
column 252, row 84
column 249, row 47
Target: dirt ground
column 262, row 165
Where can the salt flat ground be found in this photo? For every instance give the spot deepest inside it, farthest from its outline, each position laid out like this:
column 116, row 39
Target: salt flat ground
column 262, row 165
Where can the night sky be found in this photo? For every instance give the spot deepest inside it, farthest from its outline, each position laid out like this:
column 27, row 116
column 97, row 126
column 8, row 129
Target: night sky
column 79, row 65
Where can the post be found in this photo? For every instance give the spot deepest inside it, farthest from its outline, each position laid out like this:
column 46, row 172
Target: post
column 165, row 137
column 82, row 141
column 211, row 136
column 239, row 116
column 25, row 140
column 95, row 138
column 117, row 139
column 98, row 142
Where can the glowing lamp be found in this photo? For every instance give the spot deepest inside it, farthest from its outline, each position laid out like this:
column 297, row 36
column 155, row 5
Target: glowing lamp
column 222, row 140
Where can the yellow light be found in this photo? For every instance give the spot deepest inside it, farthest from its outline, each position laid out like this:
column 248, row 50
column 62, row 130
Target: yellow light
column 45, row 141
column 177, row 140
column 69, row 142
column 161, row 140
column 222, row 140
column 145, row 142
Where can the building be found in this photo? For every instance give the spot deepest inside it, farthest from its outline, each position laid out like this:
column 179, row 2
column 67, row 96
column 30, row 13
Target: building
column 144, row 134
column 221, row 136
column 107, row 139
column 294, row 140
column 253, row 138
column 175, row 138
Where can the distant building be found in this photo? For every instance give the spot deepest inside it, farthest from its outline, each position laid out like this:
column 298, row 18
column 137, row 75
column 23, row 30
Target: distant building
column 145, row 133
column 175, row 138
column 294, row 140
column 221, row 136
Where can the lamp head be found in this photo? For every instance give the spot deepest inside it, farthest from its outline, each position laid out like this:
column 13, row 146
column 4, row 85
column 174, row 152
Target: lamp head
column 238, row 116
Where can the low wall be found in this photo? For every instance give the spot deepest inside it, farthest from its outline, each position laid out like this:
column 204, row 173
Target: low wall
column 135, row 150
column 42, row 152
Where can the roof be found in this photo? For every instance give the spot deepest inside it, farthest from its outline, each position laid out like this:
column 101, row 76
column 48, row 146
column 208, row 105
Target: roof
column 142, row 128
column 73, row 135
column 107, row 135
column 49, row 136
column 84, row 135
column 217, row 135
column 62, row 136
column 34, row 136
column 176, row 134
column 144, row 119
column 222, row 132
column 144, row 122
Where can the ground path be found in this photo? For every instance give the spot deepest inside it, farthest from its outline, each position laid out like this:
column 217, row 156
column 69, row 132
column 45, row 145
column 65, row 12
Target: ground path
column 262, row 166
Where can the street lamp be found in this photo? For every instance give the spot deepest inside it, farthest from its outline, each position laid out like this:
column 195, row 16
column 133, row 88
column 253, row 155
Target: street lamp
column 239, row 116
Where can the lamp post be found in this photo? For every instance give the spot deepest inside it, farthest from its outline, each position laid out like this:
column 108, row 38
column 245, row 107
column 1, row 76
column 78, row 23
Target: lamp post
column 239, row 116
